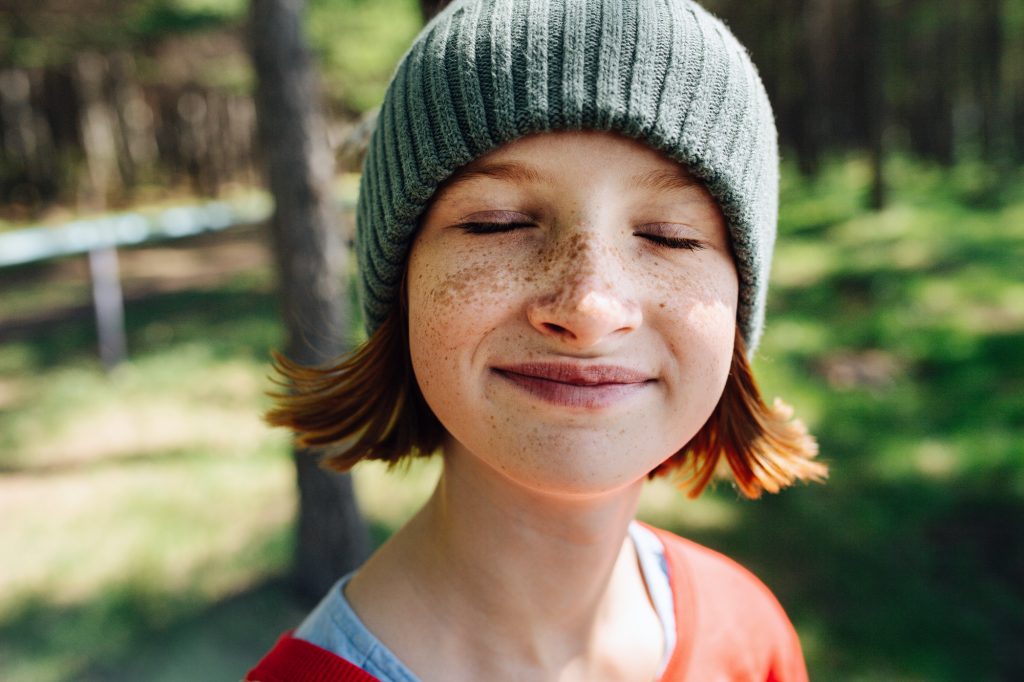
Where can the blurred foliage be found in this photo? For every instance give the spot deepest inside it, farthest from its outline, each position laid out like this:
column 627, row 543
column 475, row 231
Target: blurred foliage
column 357, row 42
column 942, row 79
column 153, row 507
column 937, row 80
column 51, row 32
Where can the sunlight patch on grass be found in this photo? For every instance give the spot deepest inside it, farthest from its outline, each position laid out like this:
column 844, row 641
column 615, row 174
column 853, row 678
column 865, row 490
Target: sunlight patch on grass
column 977, row 300
column 936, row 460
column 84, row 415
column 108, row 553
column 802, row 263
column 390, row 497
column 14, row 358
column 786, row 336
column 663, row 504
column 896, row 222
column 157, row 522
column 12, row 391
column 133, row 430
column 948, row 459
column 1011, row 223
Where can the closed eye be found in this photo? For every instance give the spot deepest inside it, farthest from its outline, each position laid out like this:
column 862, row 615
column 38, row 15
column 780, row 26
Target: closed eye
column 492, row 228
column 672, row 242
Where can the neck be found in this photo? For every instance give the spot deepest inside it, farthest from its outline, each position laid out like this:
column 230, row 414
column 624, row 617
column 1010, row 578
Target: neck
column 543, row 579
column 557, row 554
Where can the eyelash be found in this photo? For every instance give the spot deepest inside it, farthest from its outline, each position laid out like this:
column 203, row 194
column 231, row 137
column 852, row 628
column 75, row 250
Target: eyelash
column 492, row 228
column 661, row 240
column 672, row 242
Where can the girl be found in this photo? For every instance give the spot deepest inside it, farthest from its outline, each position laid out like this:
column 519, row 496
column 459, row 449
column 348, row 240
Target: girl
column 565, row 225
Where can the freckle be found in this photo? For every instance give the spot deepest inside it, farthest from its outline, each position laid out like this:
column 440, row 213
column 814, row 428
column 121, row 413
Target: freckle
column 661, row 305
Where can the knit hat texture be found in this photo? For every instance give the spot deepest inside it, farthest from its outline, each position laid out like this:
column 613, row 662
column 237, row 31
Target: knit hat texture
column 485, row 72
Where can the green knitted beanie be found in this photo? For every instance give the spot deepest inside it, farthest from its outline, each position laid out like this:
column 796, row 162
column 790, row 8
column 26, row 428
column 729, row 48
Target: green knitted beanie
column 485, row 72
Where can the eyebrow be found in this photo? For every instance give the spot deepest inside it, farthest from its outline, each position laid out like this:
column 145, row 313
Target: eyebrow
column 508, row 171
column 663, row 179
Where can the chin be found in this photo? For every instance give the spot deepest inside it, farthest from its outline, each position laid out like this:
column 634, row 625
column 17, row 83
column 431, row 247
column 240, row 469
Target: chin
column 573, row 467
column 571, row 484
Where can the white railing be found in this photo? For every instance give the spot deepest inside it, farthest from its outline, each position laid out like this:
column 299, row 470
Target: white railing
column 39, row 243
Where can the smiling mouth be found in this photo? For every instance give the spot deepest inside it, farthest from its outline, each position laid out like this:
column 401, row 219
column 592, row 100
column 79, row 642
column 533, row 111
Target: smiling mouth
column 590, row 387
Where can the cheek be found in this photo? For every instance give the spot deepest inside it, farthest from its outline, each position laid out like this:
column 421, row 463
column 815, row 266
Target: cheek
column 698, row 317
column 709, row 343
column 455, row 299
column 465, row 284
column 706, row 293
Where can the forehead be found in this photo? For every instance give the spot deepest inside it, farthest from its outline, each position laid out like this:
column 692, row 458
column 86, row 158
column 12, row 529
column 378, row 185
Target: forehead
column 582, row 155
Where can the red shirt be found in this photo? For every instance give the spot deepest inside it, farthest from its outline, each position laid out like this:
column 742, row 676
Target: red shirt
column 729, row 628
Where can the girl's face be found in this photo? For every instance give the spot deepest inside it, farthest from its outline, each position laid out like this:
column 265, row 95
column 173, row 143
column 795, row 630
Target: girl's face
column 572, row 307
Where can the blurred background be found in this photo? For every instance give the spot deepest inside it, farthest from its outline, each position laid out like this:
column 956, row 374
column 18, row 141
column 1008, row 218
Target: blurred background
column 147, row 516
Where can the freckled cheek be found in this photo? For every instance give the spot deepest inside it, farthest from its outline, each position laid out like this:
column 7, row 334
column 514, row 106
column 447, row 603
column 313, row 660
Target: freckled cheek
column 700, row 292
column 455, row 298
column 696, row 314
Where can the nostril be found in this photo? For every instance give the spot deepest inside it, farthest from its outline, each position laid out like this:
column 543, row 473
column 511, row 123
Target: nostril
column 554, row 328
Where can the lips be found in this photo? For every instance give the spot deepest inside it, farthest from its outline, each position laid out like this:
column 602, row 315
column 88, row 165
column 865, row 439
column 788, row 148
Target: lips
column 572, row 385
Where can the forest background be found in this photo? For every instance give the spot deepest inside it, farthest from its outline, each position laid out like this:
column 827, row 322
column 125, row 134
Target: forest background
column 147, row 515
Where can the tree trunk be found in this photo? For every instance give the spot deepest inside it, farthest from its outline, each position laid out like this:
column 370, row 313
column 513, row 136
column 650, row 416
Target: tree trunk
column 429, row 8
column 873, row 84
column 26, row 148
column 331, row 537
column 98, row 135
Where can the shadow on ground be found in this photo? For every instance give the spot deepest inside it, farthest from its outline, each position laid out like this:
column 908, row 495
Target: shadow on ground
column 218, row 641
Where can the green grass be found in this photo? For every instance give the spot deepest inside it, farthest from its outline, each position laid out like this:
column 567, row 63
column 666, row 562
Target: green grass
column 152, row 508
column 144, row 498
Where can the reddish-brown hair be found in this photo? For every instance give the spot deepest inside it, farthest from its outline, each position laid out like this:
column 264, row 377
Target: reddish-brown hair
column 764, row 447
column 365, row 406
column 369, row 406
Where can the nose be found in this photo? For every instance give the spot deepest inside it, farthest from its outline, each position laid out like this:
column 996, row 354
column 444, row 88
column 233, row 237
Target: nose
column 586, row 300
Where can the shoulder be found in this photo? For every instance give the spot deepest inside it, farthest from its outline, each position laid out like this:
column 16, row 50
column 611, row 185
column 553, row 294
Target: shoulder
column 728, row 616
column 296, row 660
column 712, row 571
